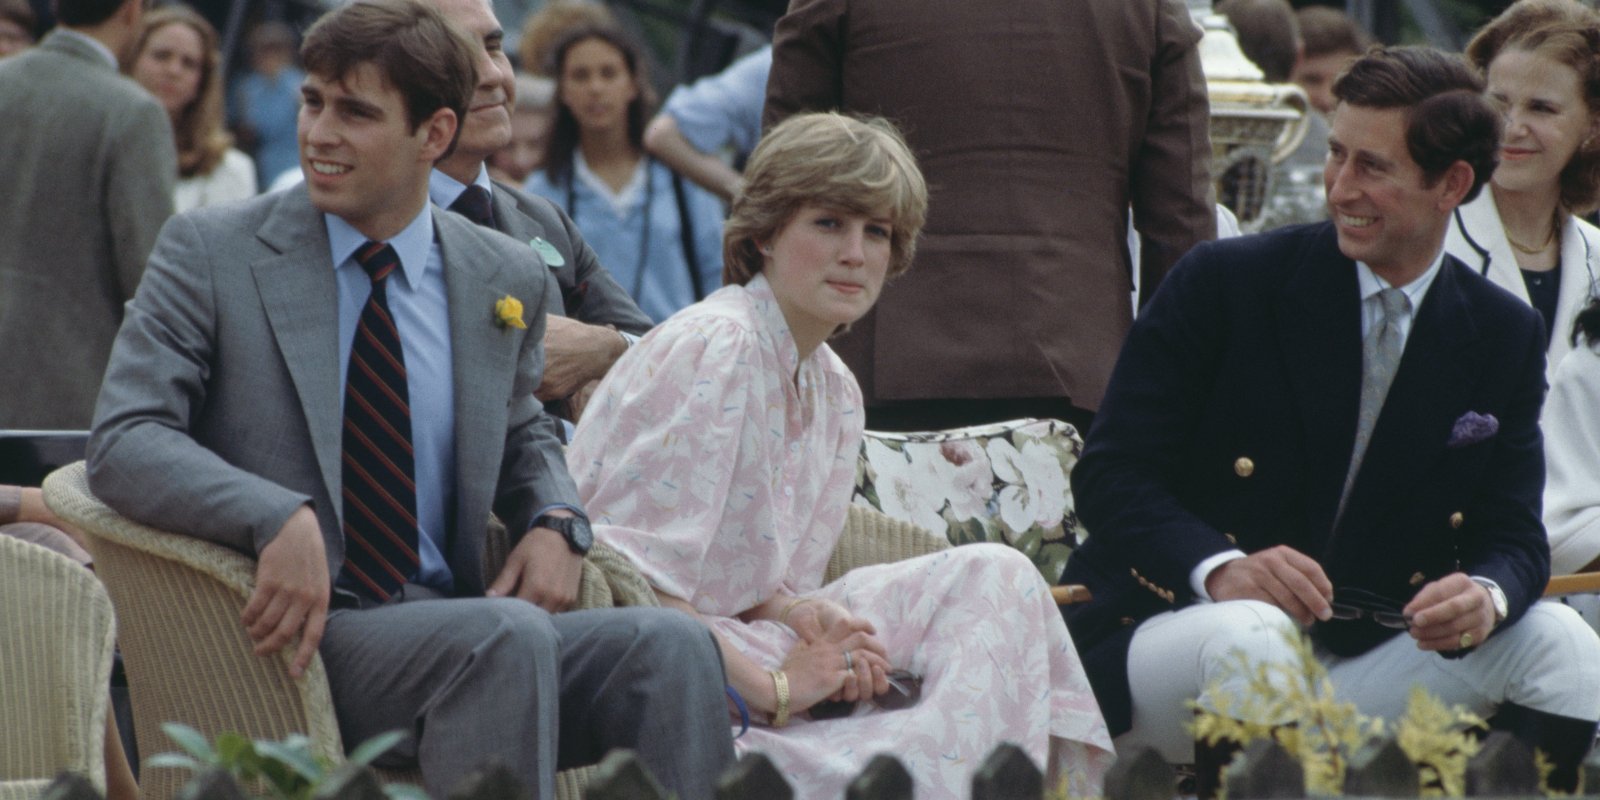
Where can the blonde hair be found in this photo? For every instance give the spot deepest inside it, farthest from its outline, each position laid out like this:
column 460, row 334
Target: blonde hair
column 550, row 24
column 857, row 164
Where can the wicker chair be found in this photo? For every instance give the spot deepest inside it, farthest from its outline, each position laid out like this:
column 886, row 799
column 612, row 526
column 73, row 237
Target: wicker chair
column 56, row 638
column 188, row 659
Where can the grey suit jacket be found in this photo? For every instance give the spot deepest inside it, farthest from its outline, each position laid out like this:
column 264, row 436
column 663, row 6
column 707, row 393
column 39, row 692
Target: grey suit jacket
column 1037, row 123
column 88, row 170
column 220, row 411
column 587, row 292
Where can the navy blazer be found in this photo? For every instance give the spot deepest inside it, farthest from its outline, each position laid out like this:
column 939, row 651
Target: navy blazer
column 1230, row 421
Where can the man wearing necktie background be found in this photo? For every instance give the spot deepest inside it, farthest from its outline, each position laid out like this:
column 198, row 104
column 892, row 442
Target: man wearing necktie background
column 339, row 379
column 1335, row 426
column 592, row 319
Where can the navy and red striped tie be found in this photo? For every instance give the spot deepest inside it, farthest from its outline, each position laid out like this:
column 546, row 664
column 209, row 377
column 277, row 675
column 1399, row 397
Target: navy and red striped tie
column 380, row 490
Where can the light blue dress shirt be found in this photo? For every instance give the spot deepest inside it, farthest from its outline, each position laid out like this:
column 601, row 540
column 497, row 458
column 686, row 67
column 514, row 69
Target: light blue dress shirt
column 635, row 232
column 724, row 110
column 421, row 312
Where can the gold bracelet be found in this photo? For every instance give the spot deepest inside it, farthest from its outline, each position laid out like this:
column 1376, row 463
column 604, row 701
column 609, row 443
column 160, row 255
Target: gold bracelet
column 780, row 684
column 783, row 616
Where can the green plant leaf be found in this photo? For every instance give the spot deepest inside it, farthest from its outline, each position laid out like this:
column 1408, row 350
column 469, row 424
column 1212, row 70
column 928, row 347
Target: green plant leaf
column 405, row 791
column 192, row 741
column 175, row 761
column 374, row 747
column 286, row 784
column 294, row 759
column 234, row 750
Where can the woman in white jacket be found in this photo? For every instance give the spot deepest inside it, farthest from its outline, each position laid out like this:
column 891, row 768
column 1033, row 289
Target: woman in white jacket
column 1541, row 60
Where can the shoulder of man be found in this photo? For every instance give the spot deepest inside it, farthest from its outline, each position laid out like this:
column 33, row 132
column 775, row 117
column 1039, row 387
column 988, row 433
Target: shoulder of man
column 1269, row 256
column 1490, row 303
column 455, row 230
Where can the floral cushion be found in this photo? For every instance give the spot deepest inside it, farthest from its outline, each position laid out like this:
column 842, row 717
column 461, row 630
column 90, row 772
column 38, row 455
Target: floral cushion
column 1005, row 482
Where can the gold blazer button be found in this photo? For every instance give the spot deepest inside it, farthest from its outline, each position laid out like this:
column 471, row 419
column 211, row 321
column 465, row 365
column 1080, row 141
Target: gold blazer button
column 1244, row 467
column 1456, row 520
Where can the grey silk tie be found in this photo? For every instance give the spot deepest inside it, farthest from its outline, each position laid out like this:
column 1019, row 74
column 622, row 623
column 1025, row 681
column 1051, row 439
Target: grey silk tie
column 1380, row 358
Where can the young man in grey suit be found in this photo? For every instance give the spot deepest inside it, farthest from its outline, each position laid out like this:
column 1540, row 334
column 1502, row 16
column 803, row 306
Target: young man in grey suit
column 339, row 378
column 592, row 319
column 88, row 171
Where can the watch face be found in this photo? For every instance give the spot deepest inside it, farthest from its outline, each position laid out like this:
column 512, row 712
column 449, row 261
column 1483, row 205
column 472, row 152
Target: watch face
column 579, row 534
column 574, row 529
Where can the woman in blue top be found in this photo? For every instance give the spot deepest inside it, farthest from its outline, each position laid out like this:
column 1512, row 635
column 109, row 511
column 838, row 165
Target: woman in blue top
column 659, row 235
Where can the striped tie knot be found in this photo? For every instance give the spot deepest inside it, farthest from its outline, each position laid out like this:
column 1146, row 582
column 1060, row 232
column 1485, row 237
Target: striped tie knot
column 378, row 259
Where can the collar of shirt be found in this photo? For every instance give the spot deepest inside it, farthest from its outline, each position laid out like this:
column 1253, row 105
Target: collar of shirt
column 621, row 202
column 1370, row 285
column 412, row 244
column 773, row 321
column 99, row 46
column 443, row 190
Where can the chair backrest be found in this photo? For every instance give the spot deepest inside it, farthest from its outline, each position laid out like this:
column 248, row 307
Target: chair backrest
column 56, row 636
column 1006, row 482
column 187, row 657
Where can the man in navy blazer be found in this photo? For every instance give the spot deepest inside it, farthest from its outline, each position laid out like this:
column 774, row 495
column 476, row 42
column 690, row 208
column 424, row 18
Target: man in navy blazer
column 1232, row 490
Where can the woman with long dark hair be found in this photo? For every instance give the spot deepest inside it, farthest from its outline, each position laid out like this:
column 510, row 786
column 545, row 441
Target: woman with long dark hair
column 659, row 235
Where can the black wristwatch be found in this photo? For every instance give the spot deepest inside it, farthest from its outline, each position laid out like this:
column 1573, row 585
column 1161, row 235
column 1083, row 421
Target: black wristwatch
column 574, row 529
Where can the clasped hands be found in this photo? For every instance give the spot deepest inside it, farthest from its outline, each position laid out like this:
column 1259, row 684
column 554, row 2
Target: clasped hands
column 838, row 656
column 1451, row 613
column 293, row 588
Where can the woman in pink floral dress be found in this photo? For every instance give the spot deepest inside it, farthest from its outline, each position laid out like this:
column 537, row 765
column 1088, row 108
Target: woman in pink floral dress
column 718, row 455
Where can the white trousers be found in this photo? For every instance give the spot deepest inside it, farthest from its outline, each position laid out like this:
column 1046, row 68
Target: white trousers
column 1548, row 661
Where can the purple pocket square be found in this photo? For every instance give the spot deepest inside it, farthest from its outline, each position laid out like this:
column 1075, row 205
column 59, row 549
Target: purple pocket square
column 1472, row 428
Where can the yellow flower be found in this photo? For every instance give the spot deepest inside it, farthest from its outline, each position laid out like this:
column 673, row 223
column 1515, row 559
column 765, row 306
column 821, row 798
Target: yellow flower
column 508, row 313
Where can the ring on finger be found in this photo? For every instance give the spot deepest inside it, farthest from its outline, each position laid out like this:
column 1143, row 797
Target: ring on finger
column 1466, row 640
column 849, row 663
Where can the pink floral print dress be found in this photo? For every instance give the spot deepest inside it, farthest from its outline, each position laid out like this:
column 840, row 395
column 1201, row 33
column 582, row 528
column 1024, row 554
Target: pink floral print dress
column 721, row 465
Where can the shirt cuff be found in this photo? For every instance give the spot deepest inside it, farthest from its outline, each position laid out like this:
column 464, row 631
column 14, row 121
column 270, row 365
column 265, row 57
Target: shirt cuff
column 629, row 338
column 577, row 512
column 1203, row 570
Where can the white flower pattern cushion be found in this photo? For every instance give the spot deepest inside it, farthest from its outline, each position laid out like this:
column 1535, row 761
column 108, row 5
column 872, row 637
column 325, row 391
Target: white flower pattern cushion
column 1005, row 482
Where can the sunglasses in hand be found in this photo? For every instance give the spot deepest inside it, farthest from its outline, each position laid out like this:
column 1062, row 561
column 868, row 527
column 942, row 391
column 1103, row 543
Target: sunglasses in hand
column 905, row 689
column 1353, row 604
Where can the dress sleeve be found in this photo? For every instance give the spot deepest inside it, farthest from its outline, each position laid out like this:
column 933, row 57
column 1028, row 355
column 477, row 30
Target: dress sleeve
column 659, row 447
column 1571, row 447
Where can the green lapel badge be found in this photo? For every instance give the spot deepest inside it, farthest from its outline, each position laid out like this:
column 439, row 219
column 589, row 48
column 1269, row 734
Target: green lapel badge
column 547, row 251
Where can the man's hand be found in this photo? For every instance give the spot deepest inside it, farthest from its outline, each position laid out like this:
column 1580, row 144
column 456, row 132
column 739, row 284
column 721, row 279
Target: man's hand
column 542, row 570
column 1282, row 576
column 576, row 353
column 291, row 594
column 1447, row 608
column 580, row 400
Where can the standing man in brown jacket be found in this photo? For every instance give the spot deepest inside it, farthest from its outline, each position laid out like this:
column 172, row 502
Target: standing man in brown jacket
column 1038, row 124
